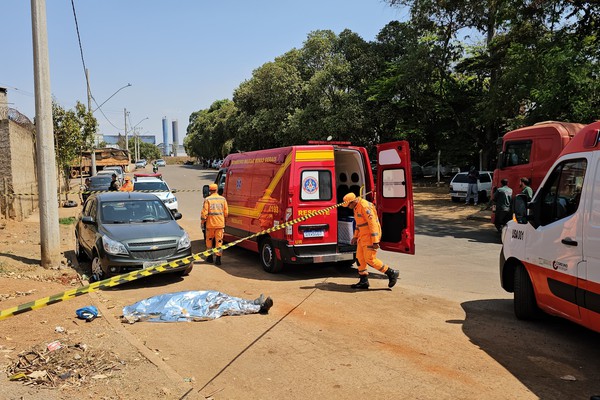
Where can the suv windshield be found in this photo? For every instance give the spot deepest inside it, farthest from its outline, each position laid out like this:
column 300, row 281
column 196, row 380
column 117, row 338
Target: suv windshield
column 124, row 212
column 151, row 186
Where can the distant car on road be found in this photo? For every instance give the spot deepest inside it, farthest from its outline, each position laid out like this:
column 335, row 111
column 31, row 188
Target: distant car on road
column 160, row 163
column 118, row 170
column 140, row 164
column 127, row 231
column 459, row 185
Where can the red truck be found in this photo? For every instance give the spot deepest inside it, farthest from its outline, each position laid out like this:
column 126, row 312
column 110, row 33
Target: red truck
column 530, row 151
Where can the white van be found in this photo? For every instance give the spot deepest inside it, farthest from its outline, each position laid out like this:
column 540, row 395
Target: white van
column 550, row 256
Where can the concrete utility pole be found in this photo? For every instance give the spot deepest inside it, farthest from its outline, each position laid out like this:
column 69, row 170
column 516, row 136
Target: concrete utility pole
column 126, row 135
column 89, row 96
column 46, row 156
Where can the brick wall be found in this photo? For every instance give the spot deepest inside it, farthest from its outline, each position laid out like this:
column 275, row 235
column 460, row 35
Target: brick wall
column 18, row 171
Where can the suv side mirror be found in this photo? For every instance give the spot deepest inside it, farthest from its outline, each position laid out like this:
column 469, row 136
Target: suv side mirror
column 205, row 192
column 88, row 220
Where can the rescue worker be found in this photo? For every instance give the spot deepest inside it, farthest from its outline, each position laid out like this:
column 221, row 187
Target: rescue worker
column 502, row 205
column 367, row 235
column 127, row 185
column 214, row 212
column 525, row 188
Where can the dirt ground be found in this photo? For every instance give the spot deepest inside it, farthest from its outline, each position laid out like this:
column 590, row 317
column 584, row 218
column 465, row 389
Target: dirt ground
column 117, row 363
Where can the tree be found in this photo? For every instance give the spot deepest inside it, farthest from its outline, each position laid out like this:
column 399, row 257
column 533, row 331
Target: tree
column 74, row 132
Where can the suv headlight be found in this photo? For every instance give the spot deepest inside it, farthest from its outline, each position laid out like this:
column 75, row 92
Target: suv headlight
column 184, row 242
column 112, row 246
column 170, row 200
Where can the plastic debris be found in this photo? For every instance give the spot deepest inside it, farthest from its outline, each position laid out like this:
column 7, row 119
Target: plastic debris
column 89, row 313
column 568, row 378
column 54, row 345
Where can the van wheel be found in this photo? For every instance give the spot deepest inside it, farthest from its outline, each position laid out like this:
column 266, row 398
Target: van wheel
column 524, row 297
column 455, row 199
column 268, row 259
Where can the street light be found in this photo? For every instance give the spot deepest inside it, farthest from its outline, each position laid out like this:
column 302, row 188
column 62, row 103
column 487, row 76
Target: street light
column 89, row 93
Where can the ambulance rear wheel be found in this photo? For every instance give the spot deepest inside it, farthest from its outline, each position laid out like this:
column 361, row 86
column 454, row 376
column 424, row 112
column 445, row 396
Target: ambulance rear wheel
column 268, row 259
column 524, row 302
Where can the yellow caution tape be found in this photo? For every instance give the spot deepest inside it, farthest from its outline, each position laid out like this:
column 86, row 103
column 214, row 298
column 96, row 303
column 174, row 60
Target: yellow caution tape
column 134, row 275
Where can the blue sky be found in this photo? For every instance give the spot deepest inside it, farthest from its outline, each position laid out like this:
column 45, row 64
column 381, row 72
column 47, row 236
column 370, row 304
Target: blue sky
column 179, row 56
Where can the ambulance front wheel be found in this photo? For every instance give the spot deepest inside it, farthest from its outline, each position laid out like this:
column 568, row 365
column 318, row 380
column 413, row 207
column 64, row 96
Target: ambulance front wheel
column 268, row 259
column 524, row 302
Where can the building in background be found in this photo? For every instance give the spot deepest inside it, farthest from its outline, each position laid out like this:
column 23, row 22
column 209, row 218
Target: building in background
column 112, row 140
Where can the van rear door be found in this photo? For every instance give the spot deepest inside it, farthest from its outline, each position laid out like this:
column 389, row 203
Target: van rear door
column 394, row 197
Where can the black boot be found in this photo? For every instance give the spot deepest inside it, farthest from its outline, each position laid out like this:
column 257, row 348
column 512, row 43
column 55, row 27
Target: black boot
column 209, row 259
column 218, row 260
column 393, row 276
column 265, row 304
column 363, row 283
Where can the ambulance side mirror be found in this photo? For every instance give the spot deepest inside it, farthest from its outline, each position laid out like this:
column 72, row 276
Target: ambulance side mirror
column 520, row 208
column 205, row 191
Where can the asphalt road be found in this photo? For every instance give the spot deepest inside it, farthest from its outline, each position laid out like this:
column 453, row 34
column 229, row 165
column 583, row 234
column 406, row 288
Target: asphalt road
column 446, row 331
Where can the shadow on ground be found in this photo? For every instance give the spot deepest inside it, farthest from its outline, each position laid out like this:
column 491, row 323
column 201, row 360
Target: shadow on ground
column 542, row 354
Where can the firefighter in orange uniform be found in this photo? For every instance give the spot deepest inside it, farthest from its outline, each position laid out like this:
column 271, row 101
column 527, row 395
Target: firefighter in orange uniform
column 213, row 217
column 367, row 235
column 127, row 185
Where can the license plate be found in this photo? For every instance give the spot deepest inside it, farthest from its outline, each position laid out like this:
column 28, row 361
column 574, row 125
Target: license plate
column 148, row 264
column 313, row 234
column 459, row 194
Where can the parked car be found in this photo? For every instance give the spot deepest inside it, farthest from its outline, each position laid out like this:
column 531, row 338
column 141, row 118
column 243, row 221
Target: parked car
column 153, row 183
column 118, row 170
column 430, row 169
column 416, row 169
column 97, row 183
column 126, row 231
column 160, row 163
column 459, row 185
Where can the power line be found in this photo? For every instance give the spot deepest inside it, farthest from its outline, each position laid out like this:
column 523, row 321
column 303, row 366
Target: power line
column 80, row 47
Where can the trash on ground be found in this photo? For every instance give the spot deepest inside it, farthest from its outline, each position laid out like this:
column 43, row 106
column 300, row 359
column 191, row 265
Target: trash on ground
column 89, row 313
column 568, row 378
column 69, row 365
column 193, row 306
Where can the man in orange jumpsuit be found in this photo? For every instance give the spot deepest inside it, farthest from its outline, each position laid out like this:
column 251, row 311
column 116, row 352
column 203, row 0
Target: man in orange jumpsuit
column 127, row 186
column 213, row 217
column 367, row 236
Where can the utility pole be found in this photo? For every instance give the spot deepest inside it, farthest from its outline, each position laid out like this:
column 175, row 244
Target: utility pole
column 126, row 136
column 46, row 155
column 93, row 152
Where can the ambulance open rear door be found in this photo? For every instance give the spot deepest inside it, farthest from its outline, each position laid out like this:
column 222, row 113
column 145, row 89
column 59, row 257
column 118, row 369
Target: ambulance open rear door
column 394, row 197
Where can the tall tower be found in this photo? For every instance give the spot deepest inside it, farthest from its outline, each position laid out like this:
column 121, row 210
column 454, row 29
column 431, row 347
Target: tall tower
column 165, row 136
column 175, row 138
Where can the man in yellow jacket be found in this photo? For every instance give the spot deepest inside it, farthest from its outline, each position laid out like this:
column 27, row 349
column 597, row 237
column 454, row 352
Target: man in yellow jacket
column 367, row 236
column 213, row 217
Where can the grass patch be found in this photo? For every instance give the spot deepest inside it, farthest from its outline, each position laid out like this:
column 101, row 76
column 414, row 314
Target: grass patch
column 67, row 220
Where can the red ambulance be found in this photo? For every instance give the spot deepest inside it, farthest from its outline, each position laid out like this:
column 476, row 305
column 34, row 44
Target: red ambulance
column 266, row 188
column 550, row 254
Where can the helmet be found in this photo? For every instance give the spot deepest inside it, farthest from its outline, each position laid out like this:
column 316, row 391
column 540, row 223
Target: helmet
column 213, row 187
column 127, row 178
column 349, row 197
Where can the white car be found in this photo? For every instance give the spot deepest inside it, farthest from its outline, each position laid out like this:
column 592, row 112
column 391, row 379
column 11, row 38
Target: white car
column 117, row 170
column 459, row 185
column 153, row 183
